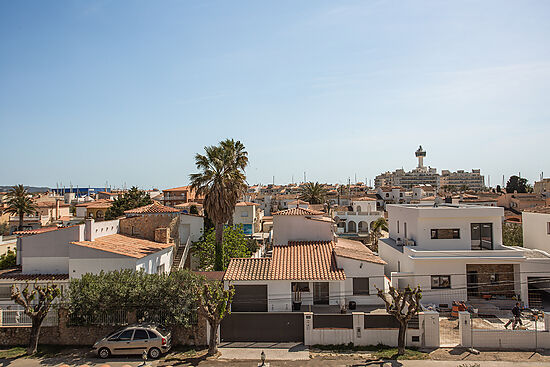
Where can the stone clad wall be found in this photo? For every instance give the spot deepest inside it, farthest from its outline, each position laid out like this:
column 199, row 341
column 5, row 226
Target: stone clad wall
column 502, row 285
column 144, row 226
column 64, row 334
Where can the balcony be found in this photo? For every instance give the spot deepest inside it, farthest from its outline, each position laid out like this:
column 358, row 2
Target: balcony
column 175, row 198
column 371, row 213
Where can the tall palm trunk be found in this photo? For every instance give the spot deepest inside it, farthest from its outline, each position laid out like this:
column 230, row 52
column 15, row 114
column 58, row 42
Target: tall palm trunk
column 21, row 216
column 218, row 260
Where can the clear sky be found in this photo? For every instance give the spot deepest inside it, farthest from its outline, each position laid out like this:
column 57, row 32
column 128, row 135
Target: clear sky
column 128, row 91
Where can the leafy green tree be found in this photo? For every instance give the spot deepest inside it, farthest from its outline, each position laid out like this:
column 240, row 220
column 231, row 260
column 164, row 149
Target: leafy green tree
column 132, row 199
column 7, row 260
column 4, row 229
column 313, row 193
column 222, row 181
column 402, row 304
column 215, row 302
column 173, row 296
column 36, row 303
column 235, row 244
column 377, row 227
column 193, row 209
column 516, row 183
column 20, row 203
column 512, row 234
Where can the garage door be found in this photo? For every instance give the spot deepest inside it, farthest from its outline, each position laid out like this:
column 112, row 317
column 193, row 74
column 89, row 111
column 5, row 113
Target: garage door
column 263, row 327
column 250, row 298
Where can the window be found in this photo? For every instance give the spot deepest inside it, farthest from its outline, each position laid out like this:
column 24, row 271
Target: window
column 152, row 335
column 445, row 234
column 115, row 336
column 397, row 226
column 548, row 228
column 441, row 281
column 387, row 195
column 140, row 334
column 360, row 286
column 405, row 230
column 244, row 214
column 5, row 292
column 482, row 236
column 300, row 286
column 126, row 335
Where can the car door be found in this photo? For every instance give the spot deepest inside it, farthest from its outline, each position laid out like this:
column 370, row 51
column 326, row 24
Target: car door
column 123, row 344
column 140, row 341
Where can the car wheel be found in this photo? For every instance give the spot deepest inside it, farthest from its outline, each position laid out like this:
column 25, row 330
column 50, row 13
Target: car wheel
column 154, row 353
column 104, row 353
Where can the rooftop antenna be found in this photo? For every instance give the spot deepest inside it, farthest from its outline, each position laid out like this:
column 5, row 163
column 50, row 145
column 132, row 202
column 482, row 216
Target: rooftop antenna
column 355, row 181
column 304, row 176
column 273, row 180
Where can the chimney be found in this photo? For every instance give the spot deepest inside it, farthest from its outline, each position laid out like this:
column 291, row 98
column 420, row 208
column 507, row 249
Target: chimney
column 89, row 235
column 162, row 235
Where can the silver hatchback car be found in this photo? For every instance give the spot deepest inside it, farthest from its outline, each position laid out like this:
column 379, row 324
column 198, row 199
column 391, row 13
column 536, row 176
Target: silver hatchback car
column 135, row 339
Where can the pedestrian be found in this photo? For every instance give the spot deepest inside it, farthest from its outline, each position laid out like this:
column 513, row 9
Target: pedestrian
column 516, row 318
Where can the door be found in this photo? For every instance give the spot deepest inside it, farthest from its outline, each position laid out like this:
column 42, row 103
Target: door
column 249, row 298
column 472, row 283
column 140, row 341
column 482, row 236
column 320, row 293
column 262, row 327
column 123, row 344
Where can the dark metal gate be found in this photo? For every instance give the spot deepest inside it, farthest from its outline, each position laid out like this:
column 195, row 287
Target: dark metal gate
column 263, row 327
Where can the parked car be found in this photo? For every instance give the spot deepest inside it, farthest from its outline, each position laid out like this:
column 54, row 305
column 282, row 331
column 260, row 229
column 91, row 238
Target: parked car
column 135, row 339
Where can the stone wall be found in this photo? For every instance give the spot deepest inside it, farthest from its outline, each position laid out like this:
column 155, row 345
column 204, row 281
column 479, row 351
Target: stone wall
column 65, row 334
column 144, row 226
column 494, row 279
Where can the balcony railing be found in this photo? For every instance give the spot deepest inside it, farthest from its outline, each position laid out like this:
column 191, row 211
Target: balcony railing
column 174, row 197
column 373, row 213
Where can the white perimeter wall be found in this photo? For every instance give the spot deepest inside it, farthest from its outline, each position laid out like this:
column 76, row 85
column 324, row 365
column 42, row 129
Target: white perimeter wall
column 150, row 263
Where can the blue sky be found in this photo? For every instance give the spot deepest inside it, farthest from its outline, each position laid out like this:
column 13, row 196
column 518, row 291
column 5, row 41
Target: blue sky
column 128, row 91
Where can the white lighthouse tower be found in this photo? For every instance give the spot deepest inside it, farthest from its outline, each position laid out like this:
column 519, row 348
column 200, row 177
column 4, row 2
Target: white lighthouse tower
column 420, row 154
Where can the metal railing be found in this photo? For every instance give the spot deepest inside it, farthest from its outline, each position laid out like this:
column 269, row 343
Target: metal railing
column 11, row 318
column 185, row 253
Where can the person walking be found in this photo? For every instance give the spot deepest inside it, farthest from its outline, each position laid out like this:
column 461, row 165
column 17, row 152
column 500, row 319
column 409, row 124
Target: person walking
column 516, row 312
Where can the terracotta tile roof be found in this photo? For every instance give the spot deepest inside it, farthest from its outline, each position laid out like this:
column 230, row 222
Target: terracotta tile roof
column 36, row 231
column 248, row 269
column 15, row 274
column 50, row 204
column 246, row 203
column 356, row 250
column 211, row 275
column 181, row 188
column 298, row 202
column 539, row 209
column 124, row 245
column 364, row 198
column 155, row 208
column 298, row 211
column 98, row 204
column 307, row 260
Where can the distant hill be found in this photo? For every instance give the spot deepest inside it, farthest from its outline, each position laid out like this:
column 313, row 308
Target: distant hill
column 29, row 188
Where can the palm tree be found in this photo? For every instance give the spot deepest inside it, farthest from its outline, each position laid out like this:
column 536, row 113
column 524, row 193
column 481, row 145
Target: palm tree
column 20, row 203
column 313, row 193
column 376, row 227
column 222, row 181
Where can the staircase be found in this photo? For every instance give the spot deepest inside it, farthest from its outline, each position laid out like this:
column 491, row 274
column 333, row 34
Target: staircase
column 178, row 258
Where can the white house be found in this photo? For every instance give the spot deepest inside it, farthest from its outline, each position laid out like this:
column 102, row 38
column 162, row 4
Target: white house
column 309, row 266
column 249, row 215
column 455, row 252
column 359, row 219
column 536, row 228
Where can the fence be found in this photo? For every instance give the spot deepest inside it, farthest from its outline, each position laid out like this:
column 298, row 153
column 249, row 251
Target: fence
column 485, row 333
column 369, row 329
column 18, row 317
column 118, row 317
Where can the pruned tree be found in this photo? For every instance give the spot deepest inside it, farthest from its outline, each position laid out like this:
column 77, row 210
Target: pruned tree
column 214, row 302
column 377, row 227
column 402, row 304
column 36, row 303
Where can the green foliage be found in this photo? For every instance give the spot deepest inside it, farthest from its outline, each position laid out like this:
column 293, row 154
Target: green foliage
column 174, row 296
column 193, row 210
column 134, row 198
column 235, row 244
column 20, row 203
column 512, row 234
column 516, row 183
column 214, row 302
column 313, row 193
column 7, row 260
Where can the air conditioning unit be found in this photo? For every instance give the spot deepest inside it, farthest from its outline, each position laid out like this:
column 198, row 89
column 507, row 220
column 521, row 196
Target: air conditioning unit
column 409, row 242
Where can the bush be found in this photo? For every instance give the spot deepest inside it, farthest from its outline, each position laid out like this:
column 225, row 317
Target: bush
column 166, row 298
column 7, row 260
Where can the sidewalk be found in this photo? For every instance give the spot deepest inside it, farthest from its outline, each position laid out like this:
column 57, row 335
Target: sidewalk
column 273, row 351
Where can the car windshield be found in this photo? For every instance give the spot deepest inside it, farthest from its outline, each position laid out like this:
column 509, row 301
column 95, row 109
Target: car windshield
column 114, row 333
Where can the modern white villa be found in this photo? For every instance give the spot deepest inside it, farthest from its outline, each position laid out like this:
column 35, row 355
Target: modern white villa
column 358, row 218
column 455, row 252
column 309, row 266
